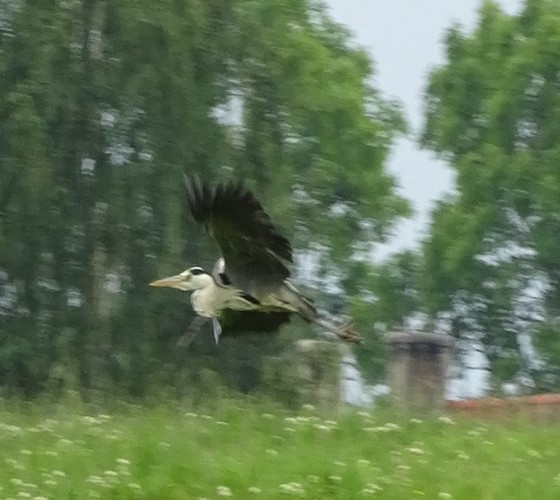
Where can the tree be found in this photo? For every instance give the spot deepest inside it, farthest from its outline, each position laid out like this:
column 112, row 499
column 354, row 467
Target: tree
column 388, row 299
column 88, row 158
column 491, row 265
column 103, row 105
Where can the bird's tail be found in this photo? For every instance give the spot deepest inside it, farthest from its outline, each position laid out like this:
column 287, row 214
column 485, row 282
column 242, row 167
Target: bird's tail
column 306, row 309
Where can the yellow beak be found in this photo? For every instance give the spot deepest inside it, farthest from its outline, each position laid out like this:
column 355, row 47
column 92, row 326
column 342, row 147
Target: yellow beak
column 170, row 281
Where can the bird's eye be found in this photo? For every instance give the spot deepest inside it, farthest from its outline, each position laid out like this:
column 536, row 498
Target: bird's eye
column 196, row 271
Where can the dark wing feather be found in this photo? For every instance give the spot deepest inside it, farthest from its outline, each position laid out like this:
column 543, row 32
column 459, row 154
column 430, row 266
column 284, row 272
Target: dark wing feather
column 237, row 322
column 254, row 251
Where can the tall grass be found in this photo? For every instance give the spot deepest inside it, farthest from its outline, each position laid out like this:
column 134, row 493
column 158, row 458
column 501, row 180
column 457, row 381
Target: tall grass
column 249, row 450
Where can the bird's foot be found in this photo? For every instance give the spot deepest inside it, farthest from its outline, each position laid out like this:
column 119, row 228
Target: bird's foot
column 346, row 332
column 343, row 331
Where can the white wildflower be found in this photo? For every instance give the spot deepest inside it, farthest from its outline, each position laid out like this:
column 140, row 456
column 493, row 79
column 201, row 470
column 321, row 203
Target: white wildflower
column 446, row 420
column 14, row 430
column 416, row 451
column 390, row 426
column 97, row 480
column 87, row 419
column 321, row 427
column 292, row 488
column 15, row 464
column 223, row 491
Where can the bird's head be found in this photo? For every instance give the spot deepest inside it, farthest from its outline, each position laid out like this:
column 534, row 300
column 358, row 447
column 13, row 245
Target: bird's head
column 194, row 278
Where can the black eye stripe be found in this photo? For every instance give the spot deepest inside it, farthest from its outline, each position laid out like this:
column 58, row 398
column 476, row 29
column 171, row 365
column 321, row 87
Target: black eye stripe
column 196, row 271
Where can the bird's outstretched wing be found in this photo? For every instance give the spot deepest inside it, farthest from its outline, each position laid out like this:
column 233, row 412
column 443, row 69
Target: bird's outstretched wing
column 255, row 253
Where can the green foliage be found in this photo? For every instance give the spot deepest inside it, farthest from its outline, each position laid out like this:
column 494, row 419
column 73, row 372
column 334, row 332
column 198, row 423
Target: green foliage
column 492, row 110
column 102, row 106
column 389, row 300
column 249, row 450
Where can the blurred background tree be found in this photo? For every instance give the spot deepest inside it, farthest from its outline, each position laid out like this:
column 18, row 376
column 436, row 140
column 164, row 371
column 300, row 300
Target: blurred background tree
column 492, row 267
column 102, row 106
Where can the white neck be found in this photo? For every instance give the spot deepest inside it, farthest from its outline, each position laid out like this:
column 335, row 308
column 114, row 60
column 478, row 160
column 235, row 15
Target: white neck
column 201, row 281
column 205, row 299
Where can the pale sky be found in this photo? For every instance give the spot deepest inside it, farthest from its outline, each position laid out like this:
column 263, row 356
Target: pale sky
column 404, row 39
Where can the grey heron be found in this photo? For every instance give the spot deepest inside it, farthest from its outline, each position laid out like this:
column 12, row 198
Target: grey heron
column 248, row 288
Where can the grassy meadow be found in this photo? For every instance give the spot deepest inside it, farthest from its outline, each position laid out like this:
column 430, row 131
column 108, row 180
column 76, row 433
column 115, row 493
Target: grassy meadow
column 247, row 450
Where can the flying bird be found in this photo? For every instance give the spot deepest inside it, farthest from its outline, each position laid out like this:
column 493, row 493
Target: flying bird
column 248, row 288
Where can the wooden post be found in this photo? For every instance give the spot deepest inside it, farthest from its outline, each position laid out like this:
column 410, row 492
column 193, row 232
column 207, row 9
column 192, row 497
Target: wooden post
column 418, row 363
